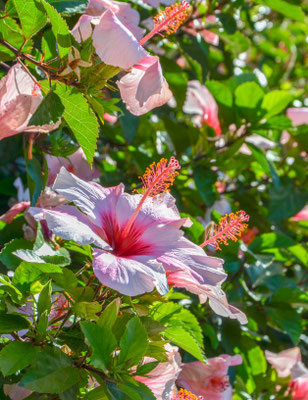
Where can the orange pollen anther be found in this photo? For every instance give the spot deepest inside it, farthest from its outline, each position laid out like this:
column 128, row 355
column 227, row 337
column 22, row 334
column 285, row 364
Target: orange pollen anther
column 156, row 180
column 183, row 394
column 159, row 177
column 231, row 226
column 168, row 20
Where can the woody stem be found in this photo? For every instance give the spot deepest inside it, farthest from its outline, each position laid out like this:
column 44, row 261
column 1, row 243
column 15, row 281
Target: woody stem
column 18, row 53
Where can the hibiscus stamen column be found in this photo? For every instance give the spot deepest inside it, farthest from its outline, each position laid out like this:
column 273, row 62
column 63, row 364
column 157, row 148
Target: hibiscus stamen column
column 231, row 226
column 168, row 20
column 156, row 180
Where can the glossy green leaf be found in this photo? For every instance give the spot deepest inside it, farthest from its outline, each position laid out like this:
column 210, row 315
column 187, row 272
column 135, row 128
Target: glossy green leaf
column 133, row 343
column 32, row 16
column 16, row 356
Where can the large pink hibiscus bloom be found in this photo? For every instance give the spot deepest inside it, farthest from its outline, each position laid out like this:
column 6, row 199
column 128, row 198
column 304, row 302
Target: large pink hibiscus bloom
column 136, row 237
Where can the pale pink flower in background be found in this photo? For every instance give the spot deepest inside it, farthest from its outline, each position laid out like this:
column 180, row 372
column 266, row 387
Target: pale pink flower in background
column 210, row 381
column 298, row 116
column 284, row 361
column 136, row 236
column 16, row 392
column 299, row 382
column 112, row 119
column 161, row 380
column 23, row 198
column 195, row 27
column 301, row 215
column 217, row 298
column 144, row 88
column 15, row 210
column 200, row 102
column 75, row 163
column 20, row 96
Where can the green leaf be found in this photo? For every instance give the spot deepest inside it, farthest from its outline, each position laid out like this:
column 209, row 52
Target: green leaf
column 284, row 7
column 28, row 272
column 59, row 29
column 44, row 300
column 10, row 323
column 66, row 280
column 178, row 134
column 275, row 101
column 286, row 200
column 6, row 288
column 144, row 369
column 133, row 343
column 32, row 16
column 205, row 180
column 49, row 111
column 87, row 310
column 7, row 256
column 221, row 93
column 129, row 389
column 69, row 6
column 257, row 360
column 109, row 315
column 285, row 318
column 80, row 118
column 236, row 43
column 102, row 342
column 267, row 165
column 248, row 98
column 182, row 338
column 36, row 179
column 10, row 31
column 129, row 123
column 16, row 356
column 52, row 372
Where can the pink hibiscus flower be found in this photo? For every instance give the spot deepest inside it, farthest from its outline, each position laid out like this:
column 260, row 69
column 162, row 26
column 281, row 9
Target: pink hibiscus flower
column 161, row 380
column 200, row 102
column 302, row 215
column 20, row 96
column 137, row 237
column 299, row 382
column 143, row 87
column 210, row 381
column 75, row 163
column 298, row 116
column 284, row 361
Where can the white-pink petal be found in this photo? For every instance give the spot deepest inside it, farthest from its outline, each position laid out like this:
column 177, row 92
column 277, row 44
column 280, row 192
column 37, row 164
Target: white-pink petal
column 130, row 276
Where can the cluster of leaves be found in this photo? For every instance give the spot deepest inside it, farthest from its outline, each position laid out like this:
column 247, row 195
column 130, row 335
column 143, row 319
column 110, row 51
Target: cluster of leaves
column 256, row 71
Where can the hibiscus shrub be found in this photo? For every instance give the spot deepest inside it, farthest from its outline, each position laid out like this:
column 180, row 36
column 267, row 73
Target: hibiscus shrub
column 153, row 179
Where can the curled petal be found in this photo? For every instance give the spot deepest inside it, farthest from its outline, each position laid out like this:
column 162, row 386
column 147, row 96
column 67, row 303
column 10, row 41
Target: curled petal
column 284, row 361
column 14, row 211
column 83, row 28
column 144, row 88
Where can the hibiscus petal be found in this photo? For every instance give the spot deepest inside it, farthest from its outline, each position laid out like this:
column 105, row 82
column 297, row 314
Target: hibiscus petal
column 92, row 199
column 130, row 276
column 189, row 257
column 83, row 29
column 115, row 44
column 144, row 88
column 70, row 224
